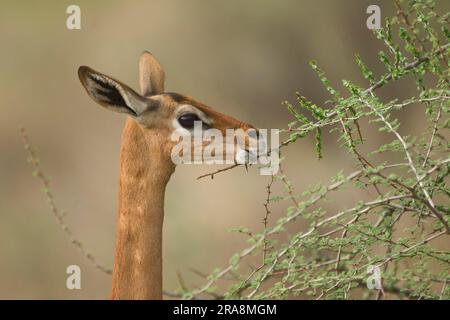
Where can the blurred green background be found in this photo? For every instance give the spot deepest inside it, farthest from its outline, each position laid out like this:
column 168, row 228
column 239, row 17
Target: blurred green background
column 241, row 57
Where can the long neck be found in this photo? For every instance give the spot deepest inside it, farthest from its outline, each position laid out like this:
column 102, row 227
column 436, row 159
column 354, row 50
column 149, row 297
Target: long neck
column 143, row 178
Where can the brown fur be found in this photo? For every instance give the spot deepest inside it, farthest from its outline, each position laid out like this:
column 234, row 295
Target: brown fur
column 144, row 174
column 145, row 169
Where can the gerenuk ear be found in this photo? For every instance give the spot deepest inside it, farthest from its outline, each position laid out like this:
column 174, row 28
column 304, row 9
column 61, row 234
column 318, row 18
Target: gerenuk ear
column 151, row 75
column 112, row 94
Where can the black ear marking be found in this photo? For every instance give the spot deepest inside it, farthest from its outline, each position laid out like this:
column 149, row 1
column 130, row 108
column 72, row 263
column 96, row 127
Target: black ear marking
column 113, row 94
column 109, row 94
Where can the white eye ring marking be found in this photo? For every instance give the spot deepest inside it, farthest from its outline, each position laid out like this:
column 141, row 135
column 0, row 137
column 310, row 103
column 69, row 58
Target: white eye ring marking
column 187, row 108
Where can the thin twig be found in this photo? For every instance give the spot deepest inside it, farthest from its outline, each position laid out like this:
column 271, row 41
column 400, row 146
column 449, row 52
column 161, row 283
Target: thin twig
column 212, row 174
column 45, row 182
column 433, row 134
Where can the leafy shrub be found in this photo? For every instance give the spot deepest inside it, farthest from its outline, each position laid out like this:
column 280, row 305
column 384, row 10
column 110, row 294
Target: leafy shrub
column 329, row 260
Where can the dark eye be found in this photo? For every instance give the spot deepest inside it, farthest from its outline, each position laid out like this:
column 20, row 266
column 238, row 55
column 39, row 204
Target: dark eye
column 187, row 120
